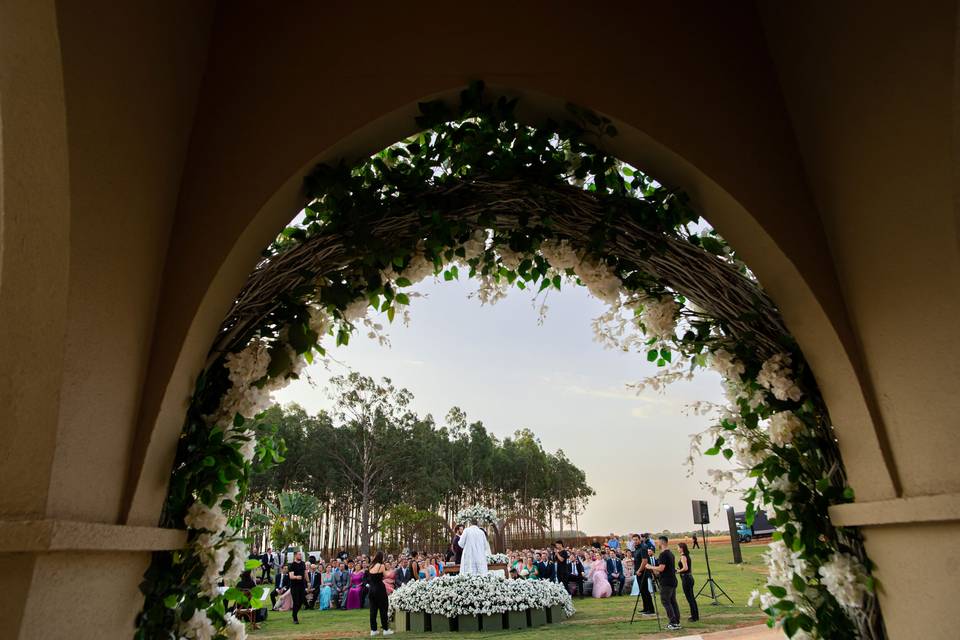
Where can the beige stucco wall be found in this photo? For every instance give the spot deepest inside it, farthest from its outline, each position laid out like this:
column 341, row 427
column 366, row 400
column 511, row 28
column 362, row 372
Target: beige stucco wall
column 148, row 151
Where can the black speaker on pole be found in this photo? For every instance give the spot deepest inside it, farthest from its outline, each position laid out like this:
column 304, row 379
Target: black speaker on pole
column 701, row 514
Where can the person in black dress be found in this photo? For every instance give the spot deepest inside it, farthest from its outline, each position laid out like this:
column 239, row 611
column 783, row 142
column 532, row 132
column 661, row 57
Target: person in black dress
column 378, row 596
column 686, row 581
column 298, row 585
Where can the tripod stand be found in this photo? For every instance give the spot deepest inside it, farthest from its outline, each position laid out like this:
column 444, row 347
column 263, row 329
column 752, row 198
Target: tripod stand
column 714, row 585
column 654, row 583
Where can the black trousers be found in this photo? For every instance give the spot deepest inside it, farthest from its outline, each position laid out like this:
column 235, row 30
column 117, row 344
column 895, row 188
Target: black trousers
column 378, row 603
column 645, row 594
column 299, row 595
column 687, row 580
column 668, row 596
column 620, row 581
column 578, row 581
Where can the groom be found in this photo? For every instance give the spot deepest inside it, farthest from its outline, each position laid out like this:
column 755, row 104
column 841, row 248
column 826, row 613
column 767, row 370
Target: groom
column 475, row 547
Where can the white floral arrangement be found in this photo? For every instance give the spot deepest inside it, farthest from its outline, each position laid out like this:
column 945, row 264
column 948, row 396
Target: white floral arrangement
column 471, row 595
column 483, row 515
column 498, row 558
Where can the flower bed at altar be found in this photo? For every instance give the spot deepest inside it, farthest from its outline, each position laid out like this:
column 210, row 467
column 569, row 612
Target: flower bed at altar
column 474, row 603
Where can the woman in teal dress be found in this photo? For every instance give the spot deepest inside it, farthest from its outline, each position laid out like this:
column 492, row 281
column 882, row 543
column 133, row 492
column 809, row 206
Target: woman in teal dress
column 326, row 591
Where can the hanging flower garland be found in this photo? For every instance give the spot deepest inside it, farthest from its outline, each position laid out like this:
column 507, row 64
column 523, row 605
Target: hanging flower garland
column 481, row 195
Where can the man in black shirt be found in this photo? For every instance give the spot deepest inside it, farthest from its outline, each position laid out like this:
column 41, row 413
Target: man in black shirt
column 298, row 585
column 667, row 568
column 640, row 566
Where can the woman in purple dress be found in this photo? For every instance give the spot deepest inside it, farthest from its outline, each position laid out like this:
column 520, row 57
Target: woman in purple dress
column 356, row 586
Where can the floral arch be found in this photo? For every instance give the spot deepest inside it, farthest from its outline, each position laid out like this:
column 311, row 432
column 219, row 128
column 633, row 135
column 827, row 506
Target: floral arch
column 478, row 194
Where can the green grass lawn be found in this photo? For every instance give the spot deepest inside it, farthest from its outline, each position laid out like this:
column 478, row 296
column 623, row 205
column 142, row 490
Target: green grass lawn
column 595, row 618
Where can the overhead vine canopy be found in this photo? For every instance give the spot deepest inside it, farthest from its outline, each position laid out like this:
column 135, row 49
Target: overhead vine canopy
column 479, row 167
column 480, row 194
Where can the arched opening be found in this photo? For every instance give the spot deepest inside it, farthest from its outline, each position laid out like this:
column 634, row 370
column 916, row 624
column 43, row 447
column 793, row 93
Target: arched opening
column 628, row 241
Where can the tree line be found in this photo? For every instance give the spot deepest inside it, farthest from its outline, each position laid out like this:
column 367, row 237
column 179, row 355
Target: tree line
column 371, row 472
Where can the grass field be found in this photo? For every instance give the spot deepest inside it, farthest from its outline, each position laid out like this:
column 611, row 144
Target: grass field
column 595, row 618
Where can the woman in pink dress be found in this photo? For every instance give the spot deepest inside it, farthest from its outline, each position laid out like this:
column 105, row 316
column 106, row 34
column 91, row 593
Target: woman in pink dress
column 353, row 596
column 598, row 574
column 390, row 578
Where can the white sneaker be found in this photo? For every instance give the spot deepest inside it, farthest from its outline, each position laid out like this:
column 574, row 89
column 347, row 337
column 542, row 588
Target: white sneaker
column 388, row 632
column 374, row 633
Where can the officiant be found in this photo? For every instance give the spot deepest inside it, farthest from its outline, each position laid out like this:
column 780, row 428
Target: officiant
column 475, row 547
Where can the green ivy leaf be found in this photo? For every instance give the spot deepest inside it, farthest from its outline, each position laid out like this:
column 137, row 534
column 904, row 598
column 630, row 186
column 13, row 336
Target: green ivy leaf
column 799, row 583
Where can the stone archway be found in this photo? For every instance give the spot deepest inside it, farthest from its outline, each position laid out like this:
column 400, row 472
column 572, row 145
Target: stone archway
column 767, row 66
column 372, row 229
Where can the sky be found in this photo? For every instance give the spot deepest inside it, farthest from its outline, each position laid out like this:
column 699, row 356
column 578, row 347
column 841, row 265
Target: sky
column 503, row 368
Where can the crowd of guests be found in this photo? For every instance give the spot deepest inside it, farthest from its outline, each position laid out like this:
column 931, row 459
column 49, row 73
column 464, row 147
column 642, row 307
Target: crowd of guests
column 601, row 570
column 605, row 569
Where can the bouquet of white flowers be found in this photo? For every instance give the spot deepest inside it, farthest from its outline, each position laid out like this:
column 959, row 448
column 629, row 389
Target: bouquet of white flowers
column 498, row 558
column 483, row 515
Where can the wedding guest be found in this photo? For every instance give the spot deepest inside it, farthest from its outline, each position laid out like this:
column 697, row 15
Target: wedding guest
column 667, row 568
column 355, row 594
column 314, row 583
column 598, row 577
column 696, row 544
column 614, row 542
column 686, row 580
column 544, row 567
column 378, row 596
column 325, row 592
column 575, row 576
column 615, row 571
column 280, row 586
column 415, row 564
column 341, row 584
column 403, row 573
column 389, row 577
column 266, row 564
column 529, row 570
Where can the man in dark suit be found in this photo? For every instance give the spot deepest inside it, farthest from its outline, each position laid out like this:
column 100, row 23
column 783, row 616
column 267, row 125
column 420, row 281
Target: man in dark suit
column 615, row 571
column 575, row 577
column 280, row 584
column 403, row 573
column 455, row 547
column 266, row 560
column 545, row 570
column 313, row 585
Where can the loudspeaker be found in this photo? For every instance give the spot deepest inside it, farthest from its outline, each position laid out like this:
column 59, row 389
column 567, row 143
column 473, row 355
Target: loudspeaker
column 701, row 514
